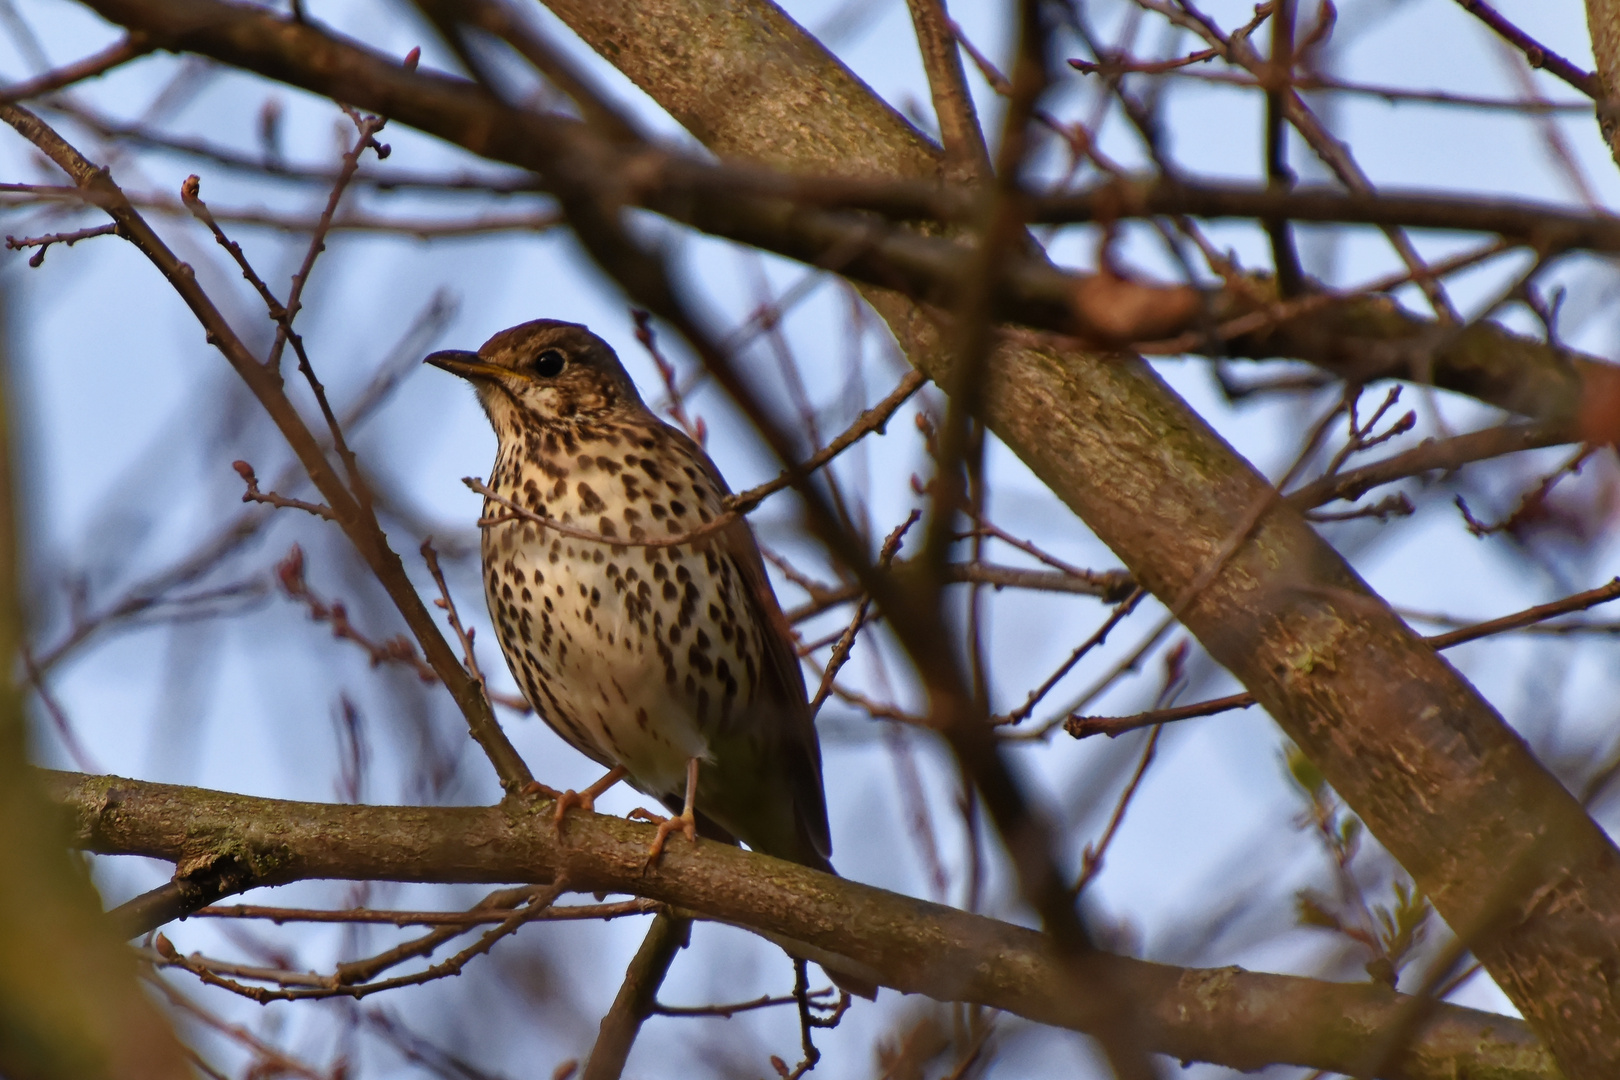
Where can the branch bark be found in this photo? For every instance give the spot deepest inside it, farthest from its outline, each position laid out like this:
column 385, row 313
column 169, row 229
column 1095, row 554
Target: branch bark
column 1508, row 857
column 637, row 994
column 1229, row 1016
column 858, row 138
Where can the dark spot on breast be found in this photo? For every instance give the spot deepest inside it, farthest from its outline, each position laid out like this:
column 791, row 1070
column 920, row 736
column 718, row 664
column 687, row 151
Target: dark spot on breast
column 678, row 509
column 607, row 465
column 589, row 499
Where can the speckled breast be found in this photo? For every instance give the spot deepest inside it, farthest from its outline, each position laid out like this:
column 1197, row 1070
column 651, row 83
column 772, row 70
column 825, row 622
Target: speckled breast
column 634, row 654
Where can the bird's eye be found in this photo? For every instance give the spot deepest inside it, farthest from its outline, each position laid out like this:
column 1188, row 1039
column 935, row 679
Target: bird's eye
column 550, row 362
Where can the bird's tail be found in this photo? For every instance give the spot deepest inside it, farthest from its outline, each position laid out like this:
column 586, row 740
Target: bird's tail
column 851, row 984
column 804, row 853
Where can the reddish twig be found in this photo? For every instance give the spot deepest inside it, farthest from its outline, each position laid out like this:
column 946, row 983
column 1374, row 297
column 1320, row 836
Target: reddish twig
column 666, row 372
column 270, row 498
column 394, row 650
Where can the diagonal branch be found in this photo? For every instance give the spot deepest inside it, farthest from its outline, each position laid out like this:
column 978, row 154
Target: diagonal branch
column 352, row 514
column 637, row 997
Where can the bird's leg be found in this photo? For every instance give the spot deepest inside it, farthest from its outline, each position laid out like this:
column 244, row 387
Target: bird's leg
column 685, row 821
column 585, row 800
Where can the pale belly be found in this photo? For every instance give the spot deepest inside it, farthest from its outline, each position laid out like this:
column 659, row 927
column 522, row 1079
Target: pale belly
column 586, row 637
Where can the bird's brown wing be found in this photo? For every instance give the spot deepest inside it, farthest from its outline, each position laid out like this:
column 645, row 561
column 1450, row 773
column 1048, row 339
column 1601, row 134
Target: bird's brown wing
column 781, row 693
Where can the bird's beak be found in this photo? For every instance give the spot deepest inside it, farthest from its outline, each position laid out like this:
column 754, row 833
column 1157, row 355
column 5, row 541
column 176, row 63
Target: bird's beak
column 469, row 365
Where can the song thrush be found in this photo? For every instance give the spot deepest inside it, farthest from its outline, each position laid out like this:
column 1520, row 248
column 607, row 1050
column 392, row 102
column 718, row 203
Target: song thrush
column 672, row 666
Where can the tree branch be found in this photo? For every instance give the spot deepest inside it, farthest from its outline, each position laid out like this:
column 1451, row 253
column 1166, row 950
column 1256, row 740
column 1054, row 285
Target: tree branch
column 637, row 996
column 1355, row 338
column 352, row 513
column 1232, row 1017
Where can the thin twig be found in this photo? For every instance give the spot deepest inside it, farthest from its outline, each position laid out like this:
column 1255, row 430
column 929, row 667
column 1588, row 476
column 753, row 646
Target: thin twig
column 66, row 239
column 1082, row 727
column 132, row 45
column 270, row 498
column 846, row 640
column 1535, row 53
column 475, row 916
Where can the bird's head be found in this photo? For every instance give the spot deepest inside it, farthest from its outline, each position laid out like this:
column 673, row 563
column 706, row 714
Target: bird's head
column 545, row 371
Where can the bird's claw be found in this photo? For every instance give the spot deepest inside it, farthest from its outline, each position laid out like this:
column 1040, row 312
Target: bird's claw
column 567, row 800
column 681, row 823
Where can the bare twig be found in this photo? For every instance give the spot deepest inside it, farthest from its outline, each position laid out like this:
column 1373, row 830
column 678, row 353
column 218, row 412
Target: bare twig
column 395, row 650
column 1535, row 53
column 127, row 48
column 473, row 917
column 348, row 511
column 66, row 239
column 1085, row 726
column 270, row 498
column 846, row 639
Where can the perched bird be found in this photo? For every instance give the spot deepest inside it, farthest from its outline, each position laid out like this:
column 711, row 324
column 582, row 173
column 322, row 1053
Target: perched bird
column 670, row 665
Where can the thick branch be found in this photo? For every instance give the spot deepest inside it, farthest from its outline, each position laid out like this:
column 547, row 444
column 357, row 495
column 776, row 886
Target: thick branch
column 1448, row 788
column 1229, row 1016
column 1487, row 833
column 1357, row 339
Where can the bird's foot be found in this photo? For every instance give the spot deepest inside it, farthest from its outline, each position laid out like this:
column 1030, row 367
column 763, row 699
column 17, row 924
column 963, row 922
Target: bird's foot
column 545, row 791
column 681, row 823
column 567, row 800
column 585, row 800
